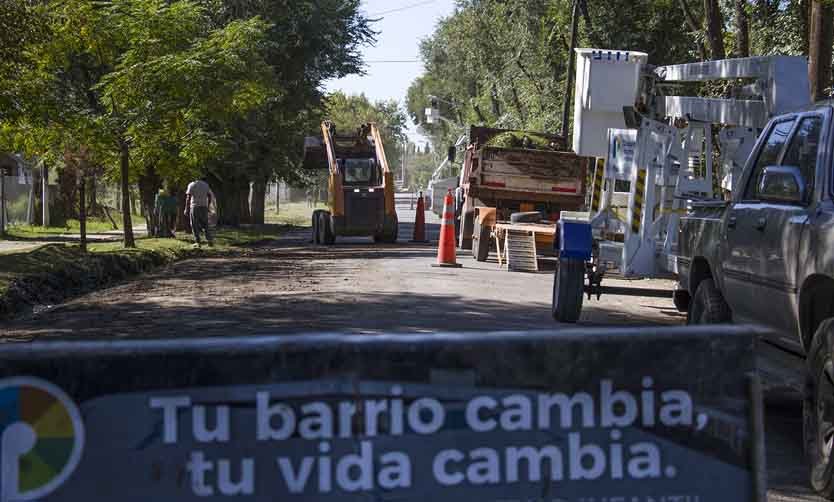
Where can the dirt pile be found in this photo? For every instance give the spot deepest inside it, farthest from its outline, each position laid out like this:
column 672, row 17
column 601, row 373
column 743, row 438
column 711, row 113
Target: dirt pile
column 74, row 273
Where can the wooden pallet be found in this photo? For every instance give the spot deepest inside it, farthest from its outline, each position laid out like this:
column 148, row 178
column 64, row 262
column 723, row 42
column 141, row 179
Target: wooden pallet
column 521, row 251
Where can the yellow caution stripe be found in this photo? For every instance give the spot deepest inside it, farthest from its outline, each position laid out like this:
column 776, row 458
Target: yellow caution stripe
column 639, row 194
column 596, row 198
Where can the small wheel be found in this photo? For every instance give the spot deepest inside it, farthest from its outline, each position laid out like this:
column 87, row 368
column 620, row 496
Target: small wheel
column 568, row 289
column 480, row 241
column 818, row 410
column 708, row 306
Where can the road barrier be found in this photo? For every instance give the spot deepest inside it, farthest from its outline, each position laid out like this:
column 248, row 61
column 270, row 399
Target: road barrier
column 580, row 416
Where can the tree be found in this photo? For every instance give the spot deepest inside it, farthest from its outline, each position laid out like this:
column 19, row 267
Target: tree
column 714, row 22
column 742, row 29
column 503, row 63
column 820, row 40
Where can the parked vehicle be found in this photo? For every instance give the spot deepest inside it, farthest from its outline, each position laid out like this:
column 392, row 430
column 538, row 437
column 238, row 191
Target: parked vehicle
column 360, row 185
column 527, row 172
column 767, row 257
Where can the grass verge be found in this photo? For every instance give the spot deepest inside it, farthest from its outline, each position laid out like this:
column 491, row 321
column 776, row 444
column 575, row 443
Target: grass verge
column 298, row 214
column 52, row 273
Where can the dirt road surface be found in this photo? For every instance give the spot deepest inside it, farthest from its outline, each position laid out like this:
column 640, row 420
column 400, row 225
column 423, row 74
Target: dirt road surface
column 290, row 286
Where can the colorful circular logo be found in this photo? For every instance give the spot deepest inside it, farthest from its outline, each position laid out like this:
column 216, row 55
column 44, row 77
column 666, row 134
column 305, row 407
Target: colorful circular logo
column 41, row 438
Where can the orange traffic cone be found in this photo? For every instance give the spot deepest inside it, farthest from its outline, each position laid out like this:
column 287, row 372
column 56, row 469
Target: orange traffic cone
column 446, row 248
column 420, row 222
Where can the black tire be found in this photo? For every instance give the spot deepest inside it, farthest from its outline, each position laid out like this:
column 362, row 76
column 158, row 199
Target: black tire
column 467, row 230
column 316, row 227
column 682, row 300
column 818, row 410
column 326, row 235
column 568, row 290
column 480, row 241
column 390, row 233
column 708, row 306
column 527, row 217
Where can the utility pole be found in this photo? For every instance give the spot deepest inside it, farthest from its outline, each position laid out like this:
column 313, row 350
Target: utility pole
column 574, row 27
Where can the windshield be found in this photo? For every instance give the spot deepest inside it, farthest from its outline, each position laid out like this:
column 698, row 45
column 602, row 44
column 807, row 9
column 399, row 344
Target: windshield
column 359, row 171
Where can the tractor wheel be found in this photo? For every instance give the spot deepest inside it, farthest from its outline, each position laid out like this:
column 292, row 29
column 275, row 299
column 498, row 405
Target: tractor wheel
column 316, row 218
column 568, row 289
column 326, row 235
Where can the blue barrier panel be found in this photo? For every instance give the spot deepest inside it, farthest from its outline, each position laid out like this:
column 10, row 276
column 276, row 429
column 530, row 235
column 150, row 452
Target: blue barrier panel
column 633, row 415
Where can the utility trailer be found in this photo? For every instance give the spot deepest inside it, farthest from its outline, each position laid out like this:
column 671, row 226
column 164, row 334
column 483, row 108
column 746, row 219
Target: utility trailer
column 655, row 157
column 497, row 182
column 360, row 185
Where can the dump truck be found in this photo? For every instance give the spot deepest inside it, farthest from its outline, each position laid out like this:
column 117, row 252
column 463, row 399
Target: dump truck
column 506, row 172
column 360, row 186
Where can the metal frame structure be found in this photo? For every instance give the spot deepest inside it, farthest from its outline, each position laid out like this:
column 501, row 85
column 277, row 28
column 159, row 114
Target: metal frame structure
column 668, row 161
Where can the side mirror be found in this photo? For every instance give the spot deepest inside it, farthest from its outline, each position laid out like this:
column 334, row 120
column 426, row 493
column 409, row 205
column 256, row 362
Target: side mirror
column 451, row 154
column 782, row 184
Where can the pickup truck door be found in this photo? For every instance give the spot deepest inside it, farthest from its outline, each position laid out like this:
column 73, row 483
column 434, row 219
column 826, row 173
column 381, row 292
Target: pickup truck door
column 774, row 222
column 784, row 222
column 741, row 257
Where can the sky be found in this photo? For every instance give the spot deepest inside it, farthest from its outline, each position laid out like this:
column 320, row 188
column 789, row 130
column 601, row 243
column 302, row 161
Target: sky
column 402, row 24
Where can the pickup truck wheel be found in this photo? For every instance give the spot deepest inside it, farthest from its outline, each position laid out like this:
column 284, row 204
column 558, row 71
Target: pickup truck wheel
column 568, row 289
column 708, row 306
column 480, row 241
column 818, row 410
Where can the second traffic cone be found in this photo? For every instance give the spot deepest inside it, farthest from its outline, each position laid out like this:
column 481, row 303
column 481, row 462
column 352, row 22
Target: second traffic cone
column 420, row 222
column 446, row 247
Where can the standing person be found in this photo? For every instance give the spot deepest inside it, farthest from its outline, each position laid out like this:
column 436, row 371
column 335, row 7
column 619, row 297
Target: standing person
column 166, row 212
column 198, row 198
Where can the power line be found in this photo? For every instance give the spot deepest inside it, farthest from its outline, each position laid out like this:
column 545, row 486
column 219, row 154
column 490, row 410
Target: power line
column 377, row 61
column 400, row 9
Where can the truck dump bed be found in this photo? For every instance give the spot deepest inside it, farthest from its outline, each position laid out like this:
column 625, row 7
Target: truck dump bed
column 524, row 170
column 535, row 170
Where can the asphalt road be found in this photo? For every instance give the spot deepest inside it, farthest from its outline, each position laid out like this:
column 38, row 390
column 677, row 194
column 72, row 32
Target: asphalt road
column 290, row 286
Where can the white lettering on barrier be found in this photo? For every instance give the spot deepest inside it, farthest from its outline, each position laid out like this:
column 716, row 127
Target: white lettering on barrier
column 577, row 458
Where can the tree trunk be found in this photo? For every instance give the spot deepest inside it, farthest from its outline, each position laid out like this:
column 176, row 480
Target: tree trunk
column 82, row 212
column 228, row 201
column 819, row 49
column 715, row 33
column 92, row 198
column 257, row 207
column 127, row 224
column 742, row 30
column 64, row 207
column 149, row 185
column 574, row 27
column 243, row 201
column 693, row 26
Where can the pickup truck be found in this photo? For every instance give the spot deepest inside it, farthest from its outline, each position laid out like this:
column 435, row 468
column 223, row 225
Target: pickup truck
column 767, row 257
